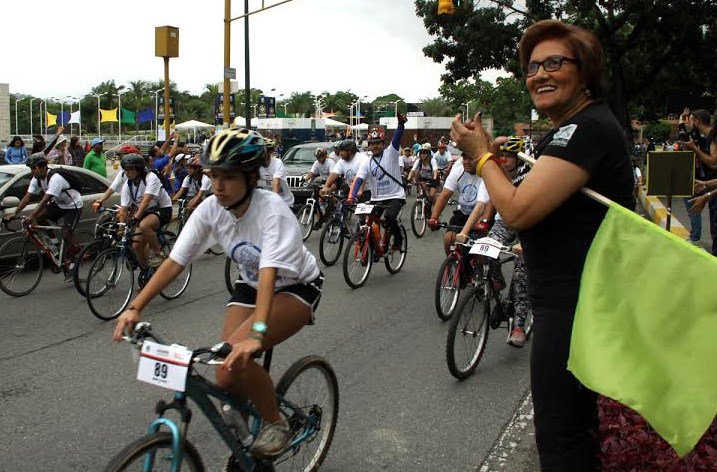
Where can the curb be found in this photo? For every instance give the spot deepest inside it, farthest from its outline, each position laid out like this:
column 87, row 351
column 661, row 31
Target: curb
column 658, row 214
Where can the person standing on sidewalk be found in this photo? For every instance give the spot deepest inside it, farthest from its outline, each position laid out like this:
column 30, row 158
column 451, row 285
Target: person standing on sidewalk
column 96, row 159
column 564, row 68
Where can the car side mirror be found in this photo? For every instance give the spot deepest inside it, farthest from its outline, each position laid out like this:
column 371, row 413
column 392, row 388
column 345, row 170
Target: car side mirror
column 10, row 202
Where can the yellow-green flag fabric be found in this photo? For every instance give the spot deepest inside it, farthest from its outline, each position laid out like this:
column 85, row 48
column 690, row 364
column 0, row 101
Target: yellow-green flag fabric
column 108, row 115
column 50, row 119
column 646, row 324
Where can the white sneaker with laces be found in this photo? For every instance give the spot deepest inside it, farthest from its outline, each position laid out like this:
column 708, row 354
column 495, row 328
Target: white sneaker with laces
column 271, row 441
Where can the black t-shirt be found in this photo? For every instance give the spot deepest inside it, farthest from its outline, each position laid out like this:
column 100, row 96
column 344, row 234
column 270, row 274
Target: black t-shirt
column 555, row 248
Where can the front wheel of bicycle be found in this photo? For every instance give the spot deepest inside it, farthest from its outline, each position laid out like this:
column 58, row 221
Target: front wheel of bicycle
column 394, row 258
column 20, row 266
column 448, row 287
column 154, row 453
column 83, row 262
column 310, row 385
column 331, row 242
column 418, row 219
column 110, row 282
column 231, row 274
column 306, row 220
column 358, row 259
column 180, row 283
column 468, row 334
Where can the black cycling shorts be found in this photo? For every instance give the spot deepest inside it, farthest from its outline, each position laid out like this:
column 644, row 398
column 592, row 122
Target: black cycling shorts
column 458, row 219
column 164, row 215
column 70, row 217
column 309, row 294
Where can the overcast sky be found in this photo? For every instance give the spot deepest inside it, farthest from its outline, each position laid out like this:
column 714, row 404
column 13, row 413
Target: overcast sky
column 371, row 47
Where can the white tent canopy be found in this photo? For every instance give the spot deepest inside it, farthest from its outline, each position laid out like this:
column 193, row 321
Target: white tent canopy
column 360, row 127
column 193, row 124
column 328, row 122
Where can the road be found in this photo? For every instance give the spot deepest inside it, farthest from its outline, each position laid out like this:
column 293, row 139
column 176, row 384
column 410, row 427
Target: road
column 69, row 399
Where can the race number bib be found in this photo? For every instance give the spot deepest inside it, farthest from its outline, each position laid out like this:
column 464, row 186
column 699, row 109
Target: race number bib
column 164, row 366
column 487, row 247
column 363, row 209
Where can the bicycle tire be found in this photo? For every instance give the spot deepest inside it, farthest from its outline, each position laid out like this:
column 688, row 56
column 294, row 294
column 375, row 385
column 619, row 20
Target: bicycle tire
column 83, row 262
column 104, row 301
column 103, row 221
column 16, row 255
column 448, row 287
column 394, row 260
column 216, row 250
column 418, row 219
column 469, row 325
column 230, row 276
column 331, row 242
column 180, row 283
column 358, row 259
column 83, row 238
column 135, row 452
column 293, row 386
column 306, row 221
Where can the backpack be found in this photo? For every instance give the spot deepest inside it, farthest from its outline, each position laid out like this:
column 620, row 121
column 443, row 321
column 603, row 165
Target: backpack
column 70, row 177
column 166, row 184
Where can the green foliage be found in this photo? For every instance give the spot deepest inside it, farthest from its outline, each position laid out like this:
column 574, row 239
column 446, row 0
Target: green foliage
column 657, row 131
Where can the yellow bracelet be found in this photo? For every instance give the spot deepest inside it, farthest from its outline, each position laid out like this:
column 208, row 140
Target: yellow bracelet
column 481, row 162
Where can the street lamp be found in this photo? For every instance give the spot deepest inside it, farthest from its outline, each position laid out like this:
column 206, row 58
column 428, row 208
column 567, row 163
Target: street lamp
column 98, row 95
column 156, row 110
column 395, row 109
column 31, row 100
column 17, row 132
column 119, row 111
column 466, row 104
column 43, row 120
column 71, row 99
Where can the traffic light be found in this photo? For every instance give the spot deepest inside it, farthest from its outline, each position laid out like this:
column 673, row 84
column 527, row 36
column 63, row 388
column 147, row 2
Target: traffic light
column 446, row 7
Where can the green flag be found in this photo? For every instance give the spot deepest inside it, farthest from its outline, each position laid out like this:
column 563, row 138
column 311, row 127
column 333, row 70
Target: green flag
column 645, row 326
column 127, row 116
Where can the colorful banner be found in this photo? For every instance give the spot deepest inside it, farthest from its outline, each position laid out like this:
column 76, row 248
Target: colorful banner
column 128, row 116
column 74, row 117
column 145, row 115
column 108, row 115
column 50, row 119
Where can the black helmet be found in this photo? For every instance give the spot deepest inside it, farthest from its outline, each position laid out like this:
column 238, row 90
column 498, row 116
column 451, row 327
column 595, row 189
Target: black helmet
column 348, row 145
column 36, row 159
column 235, row 148
column 133, row 160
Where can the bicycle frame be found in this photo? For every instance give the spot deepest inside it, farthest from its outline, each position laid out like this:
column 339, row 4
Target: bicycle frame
column 30, row 231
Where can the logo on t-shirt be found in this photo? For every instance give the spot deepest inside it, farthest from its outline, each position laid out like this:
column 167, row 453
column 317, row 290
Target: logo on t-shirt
column 563, row 135
column 247, row 255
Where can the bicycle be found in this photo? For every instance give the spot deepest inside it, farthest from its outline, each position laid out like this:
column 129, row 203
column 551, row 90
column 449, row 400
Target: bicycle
column 421, row 209
column 338, row 227
column 370, row 244
column 106, row 236
column 307, row 212
column 22, row 261
column 483, row 308
column 311, row 415
column 110, row 282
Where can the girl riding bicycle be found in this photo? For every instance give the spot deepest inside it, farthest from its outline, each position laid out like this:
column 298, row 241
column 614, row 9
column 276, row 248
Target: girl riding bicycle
column 280, row 284
column 422, row 172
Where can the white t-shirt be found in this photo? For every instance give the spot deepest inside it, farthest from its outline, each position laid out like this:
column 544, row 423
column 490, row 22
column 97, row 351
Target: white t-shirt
column 382, row 186
column 466, row 184
column 322, row 170
column 440, row 161
column 268, row 235
column 118, row 182
column 276, row 170
column 59, row 188
column 349, row 169
column 151, row 185
column 192, row 188
column 409, row 161
column 425, row 171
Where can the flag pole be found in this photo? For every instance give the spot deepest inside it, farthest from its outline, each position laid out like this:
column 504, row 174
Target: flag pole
column 589, row 192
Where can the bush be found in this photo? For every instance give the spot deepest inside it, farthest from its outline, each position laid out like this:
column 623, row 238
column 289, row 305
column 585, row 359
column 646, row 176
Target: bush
column 657, row 131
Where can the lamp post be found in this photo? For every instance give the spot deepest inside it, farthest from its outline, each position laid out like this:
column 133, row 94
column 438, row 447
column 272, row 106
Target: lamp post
column 43, row 120
column 119, row 111
column 98, row 95
column 31, row 100
column 358, row 112
column 17, row 129
column 78, row 107
column 156, row 110
column 395, row 109
column 466, row 104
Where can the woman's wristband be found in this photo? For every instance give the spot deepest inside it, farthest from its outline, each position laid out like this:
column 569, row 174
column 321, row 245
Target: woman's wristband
column 488, row 156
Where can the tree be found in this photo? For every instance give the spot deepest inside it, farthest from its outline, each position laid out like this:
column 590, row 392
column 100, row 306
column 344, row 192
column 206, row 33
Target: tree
column 437, row 107
column 653, row 48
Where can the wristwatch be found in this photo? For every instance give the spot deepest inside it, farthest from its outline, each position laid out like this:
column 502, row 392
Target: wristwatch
column 259, row 327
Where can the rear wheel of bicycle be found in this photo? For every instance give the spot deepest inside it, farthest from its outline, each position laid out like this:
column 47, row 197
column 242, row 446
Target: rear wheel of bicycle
column 103, row 223
column 231, row 274
column 20, row 266
column 468, row 334
column 310, row 383
column 305, row 216
column 83, row 262
column 110, row 282
column 358, row 259
column 180, row 283
column 331, row 242
column 418, row 219
column 154, row 453
column 395, row 259
column 448, row 288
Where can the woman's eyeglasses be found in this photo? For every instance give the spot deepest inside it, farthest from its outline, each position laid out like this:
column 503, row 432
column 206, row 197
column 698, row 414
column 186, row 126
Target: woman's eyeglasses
column 550, row 64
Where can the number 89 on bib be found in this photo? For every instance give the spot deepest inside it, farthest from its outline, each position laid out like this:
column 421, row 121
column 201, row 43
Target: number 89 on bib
column 164, row 366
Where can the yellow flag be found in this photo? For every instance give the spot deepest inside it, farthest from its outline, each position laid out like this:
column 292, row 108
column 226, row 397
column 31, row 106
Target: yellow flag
column 108, row 115
column 51, row 119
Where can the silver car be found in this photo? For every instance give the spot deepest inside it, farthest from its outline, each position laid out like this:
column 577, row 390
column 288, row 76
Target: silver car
column 15, row 179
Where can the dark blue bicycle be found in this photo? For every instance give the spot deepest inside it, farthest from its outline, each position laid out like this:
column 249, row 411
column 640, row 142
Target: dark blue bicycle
column 340, row 226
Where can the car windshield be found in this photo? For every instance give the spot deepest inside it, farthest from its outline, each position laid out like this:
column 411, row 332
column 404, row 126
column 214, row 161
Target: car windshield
column 301, row 156
column 5, row 178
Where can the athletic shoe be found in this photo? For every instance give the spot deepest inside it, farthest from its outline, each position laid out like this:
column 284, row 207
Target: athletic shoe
column 155, row 260
column 271, row 441
column 517, row 337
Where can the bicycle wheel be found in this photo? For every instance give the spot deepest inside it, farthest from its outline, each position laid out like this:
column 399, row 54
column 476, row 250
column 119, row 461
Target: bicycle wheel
column 83, row 238
column 153, row 452
column 231, row 274
column 20, row 266
column 467, row 334
column 104, row 221
column 331, row 242
column 358, row 259
column 180, row 283
column 216, row 250
column 418, row 219
column 83, row 262
column 305, row 216
column 448, row 287
column 310, row 384
column 110, row 282
column 394, row 260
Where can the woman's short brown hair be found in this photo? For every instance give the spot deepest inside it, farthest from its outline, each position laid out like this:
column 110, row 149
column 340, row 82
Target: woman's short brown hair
column 587, row 49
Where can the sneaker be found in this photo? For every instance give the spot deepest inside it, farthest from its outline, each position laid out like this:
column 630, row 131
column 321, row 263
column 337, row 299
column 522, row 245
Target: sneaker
column 271, row 441
column 693, row 242
column 155, row 260
column 517, row 337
